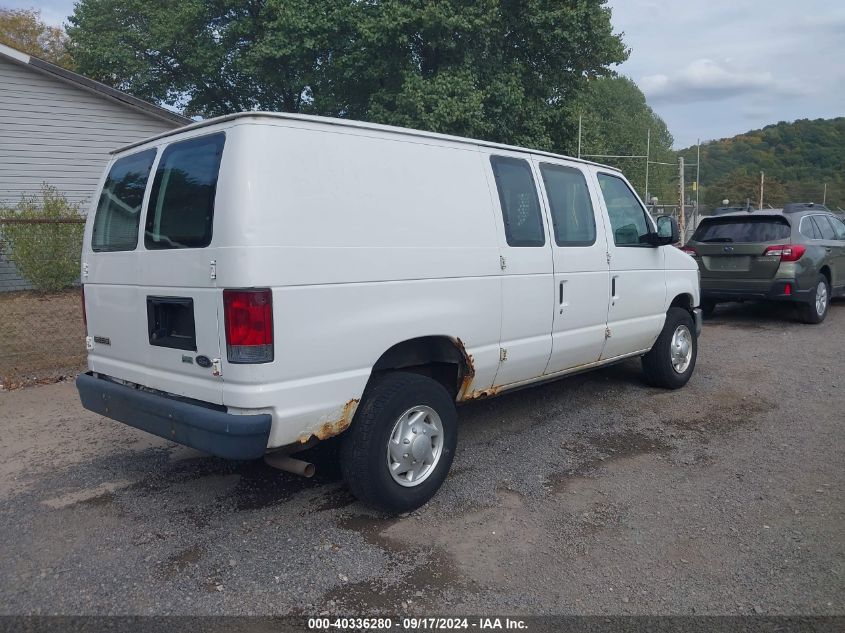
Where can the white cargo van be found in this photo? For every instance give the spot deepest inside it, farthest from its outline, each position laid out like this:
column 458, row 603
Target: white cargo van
column 258, row 282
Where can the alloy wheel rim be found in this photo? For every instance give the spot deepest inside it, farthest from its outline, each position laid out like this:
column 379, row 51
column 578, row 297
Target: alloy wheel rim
column 821, row 298
column 415, row 446
column 681, row 349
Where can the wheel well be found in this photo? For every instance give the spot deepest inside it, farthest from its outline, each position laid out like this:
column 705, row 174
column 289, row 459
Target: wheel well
column 826, row 272
column 439, row 357
column 682, row 301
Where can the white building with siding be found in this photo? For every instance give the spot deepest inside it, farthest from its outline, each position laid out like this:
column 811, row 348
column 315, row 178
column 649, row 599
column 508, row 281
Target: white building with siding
column 58, row 127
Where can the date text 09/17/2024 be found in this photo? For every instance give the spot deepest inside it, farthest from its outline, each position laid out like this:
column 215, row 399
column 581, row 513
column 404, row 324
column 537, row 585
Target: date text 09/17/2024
column 416, row 624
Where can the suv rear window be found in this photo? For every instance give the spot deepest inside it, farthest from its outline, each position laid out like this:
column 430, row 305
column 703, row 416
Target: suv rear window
column 181, row 208
column 741, row 229
column 119, row 208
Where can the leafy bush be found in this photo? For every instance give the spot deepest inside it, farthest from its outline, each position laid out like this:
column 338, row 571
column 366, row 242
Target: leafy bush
column 46, row 253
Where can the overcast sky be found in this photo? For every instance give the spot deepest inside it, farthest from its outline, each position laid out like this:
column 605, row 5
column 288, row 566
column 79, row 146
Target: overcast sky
column 713, row 68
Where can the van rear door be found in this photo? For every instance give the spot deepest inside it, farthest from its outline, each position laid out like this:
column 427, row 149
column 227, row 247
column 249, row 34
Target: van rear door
column 150, row 289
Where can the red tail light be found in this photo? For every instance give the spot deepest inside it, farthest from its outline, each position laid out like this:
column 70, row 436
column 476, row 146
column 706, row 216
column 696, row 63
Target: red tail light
column 786, row 252
column 689, row 250
column 84, row 313
column 248, row 317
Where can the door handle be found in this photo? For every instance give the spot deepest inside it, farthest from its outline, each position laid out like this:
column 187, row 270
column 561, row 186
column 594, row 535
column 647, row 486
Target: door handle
column 561, row 299
column 613, row 287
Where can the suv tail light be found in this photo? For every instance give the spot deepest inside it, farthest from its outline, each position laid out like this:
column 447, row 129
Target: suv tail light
column 248, row 318
column 786, row 252
column 689, row 250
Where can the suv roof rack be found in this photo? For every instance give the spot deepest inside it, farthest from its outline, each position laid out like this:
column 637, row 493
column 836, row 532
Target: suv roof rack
column 795, row 207
column 724, row 210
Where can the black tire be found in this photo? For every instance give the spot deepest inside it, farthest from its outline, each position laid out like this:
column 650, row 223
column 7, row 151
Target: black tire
column 708, row 307
column 363, row 451
column 657, row 364
column 808, row 311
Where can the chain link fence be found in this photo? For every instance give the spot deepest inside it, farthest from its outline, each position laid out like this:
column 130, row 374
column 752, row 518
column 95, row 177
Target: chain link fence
column 42, row 336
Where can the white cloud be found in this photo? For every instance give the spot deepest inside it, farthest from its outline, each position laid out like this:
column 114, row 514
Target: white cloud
column 708, row 80
column 718, row 68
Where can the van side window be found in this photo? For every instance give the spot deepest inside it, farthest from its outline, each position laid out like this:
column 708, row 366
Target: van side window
column 119, row 208
column 627, row 216
column 569, row 199
column 180, row 212
column 520, row 205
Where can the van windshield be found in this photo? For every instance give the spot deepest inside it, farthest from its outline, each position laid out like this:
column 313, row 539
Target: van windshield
column 180, row 212
column 119, row 208
column 743, row 229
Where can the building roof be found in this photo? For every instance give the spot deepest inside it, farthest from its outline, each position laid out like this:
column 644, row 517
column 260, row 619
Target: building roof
column 39, row 65
column 362, row 125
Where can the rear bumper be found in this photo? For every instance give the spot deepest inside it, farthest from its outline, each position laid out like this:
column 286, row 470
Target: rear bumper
column 752, row 289
column 206, row 429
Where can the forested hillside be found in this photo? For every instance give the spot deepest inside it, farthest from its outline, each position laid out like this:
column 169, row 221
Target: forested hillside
column 798, row 159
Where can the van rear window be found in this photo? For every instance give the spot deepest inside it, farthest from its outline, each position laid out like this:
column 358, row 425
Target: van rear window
column 119, row 208
column 743, row 229
column 180, row 213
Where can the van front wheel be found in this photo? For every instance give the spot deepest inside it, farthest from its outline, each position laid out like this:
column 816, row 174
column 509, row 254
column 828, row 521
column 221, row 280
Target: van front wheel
column 671, row 361
column 400, row 446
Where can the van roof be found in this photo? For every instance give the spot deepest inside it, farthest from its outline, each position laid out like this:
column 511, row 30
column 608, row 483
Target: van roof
column 362, row 125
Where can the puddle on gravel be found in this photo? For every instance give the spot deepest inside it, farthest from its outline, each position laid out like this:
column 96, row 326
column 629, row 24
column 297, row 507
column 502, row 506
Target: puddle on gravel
column 732, row 411
column 610, row 447
column 421, row 574
column 181, row 561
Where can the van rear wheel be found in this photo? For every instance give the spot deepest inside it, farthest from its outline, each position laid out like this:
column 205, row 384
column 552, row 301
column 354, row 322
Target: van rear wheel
column 671, row 361
column 399, row 449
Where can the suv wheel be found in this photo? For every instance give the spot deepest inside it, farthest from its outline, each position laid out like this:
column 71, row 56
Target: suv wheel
column 816, row 310
column 400, row 446
column 671, row 361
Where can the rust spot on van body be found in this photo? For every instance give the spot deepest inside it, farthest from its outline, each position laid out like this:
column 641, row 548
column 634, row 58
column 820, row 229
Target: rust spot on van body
column 468, row 372
column 483, row 393
column 334, row 427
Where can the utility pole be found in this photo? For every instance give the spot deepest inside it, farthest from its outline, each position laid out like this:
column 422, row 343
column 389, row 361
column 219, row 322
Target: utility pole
column 682, row 221
column 824, row 197
column 762, row 186
column 647, row 161
column 579, row 135
column 697, row 181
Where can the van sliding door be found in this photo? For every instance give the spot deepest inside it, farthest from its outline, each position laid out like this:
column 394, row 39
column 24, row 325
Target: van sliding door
column 527, row 275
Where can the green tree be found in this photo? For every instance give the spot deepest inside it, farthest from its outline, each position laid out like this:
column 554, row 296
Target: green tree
column 741, row 187
column 46, row 250
column 803, row 162
column 24, row 30
column 503, row 70
column 616, row 120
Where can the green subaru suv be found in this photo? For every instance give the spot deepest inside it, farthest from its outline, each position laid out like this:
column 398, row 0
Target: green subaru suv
column 792, row 254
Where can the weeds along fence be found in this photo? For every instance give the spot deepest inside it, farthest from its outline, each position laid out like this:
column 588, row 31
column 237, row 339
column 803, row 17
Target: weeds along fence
column 42, row 335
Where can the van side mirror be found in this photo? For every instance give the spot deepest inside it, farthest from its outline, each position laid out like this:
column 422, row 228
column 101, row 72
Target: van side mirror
column 667, row 231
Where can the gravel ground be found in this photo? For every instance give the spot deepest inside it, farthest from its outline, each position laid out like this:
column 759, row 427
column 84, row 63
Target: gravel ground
column 591, row 495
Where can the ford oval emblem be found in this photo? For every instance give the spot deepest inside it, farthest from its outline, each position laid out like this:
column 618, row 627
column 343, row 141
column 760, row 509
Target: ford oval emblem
column 204, row 361
column 729, row 249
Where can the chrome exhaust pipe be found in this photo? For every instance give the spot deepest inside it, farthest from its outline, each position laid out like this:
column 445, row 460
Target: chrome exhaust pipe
column 290, row 464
